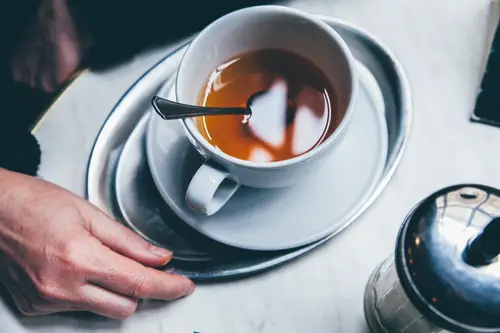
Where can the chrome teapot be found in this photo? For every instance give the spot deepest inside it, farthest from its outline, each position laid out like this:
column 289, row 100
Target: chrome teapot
column 444, row 275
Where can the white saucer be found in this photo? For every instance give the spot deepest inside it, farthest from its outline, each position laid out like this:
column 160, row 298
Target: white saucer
column 283, row 218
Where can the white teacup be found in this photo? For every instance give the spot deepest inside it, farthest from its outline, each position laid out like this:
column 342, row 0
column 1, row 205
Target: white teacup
column 246, row 30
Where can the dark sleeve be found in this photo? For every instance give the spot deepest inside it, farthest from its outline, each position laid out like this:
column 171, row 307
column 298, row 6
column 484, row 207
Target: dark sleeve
column 19, row 111
column 19, row 151
column 120, row 28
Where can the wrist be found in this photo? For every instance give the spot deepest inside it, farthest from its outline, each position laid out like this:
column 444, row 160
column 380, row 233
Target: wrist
column 5, row 175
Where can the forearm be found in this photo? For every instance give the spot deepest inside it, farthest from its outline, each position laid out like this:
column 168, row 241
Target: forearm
column 14, row 187
column 11, row 189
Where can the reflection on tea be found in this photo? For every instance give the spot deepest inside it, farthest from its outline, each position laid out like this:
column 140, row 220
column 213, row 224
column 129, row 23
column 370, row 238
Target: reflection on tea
column 293, row 111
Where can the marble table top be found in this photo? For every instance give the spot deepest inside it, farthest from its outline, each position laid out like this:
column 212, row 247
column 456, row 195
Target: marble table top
column 442, row 45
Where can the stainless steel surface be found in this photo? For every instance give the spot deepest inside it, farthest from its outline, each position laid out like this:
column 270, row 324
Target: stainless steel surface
column 366, row 48
column 387, row 309
column 140, row 204
column 446, row 271
column 118, row 127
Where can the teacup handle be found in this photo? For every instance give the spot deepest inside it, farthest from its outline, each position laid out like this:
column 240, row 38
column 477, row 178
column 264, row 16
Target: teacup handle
column 210, row 189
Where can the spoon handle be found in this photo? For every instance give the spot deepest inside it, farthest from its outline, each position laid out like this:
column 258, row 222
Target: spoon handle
column 172, row 110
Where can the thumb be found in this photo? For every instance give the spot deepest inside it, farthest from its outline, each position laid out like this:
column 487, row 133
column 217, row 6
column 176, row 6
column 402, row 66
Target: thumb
column 126, row 242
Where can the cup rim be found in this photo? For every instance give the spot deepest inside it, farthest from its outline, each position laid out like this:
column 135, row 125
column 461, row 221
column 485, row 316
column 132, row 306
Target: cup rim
column 191, row 129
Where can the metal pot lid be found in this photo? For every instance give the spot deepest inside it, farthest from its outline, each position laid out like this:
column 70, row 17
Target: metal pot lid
column 447, row 258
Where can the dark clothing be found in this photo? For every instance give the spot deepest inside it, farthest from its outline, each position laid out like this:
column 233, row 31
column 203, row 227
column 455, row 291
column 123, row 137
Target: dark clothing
column 119, row 28
column 19, row 106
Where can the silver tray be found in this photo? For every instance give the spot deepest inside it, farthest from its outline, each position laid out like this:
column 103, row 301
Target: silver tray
column 142, row 209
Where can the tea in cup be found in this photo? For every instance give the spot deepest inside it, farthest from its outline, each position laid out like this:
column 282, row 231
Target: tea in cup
column 302, row 78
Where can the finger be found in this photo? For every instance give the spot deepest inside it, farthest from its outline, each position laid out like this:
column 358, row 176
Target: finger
column 15, row 293
column 106, row 303
column 31, row 68
column 17, row 67
column 23, row 300
column 16, row 73
column 68, row 55
column 47, row 83
column 132, row 279
column 12, row 282
column 124, row 241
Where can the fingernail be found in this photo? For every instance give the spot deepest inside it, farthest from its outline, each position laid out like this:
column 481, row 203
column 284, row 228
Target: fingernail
column 190, row 289
column 161, row 252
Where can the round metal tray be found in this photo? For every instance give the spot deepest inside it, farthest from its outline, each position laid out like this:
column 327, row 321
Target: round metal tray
column 196, row 256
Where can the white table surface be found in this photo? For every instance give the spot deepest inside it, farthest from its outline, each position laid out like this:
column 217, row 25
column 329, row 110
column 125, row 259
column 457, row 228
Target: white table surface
column 442, row 44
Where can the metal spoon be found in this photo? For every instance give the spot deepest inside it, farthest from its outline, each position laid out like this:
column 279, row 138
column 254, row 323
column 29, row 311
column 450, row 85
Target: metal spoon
column 173, row 110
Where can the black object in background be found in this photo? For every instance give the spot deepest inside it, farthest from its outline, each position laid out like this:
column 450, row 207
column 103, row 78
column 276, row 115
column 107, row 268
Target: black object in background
column 120, row 29
column 487, row 108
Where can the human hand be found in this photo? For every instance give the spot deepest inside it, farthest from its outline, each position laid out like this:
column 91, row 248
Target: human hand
column 60, row 253
column 51, row 48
